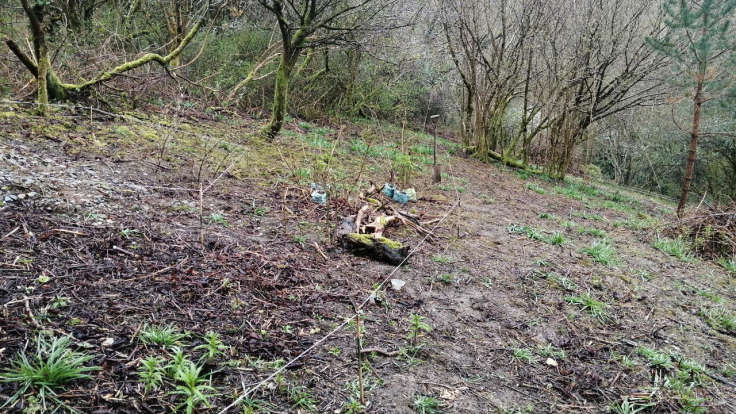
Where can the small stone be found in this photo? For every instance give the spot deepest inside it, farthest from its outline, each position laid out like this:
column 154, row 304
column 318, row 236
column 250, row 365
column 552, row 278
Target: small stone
column 108, row 342
column 551, row 362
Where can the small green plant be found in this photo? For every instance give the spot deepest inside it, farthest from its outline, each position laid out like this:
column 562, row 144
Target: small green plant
column 562, row 281
column 52, row 365
column 550, row 351
column 729, row 265
column 631, row 406
column 525, row 355
column 255, row 406
column 193, row 385
column 301, row 240
column 426, row 405
column 655, row 359
column 602, row 252
column 720, row 319
column 60, row 302
column 438, row 258
column 589, row 216
column 405, row 168
column 212, row 346
column 556, row 239
column 161, row 335
column 446, row 278
column 547, row 216
column 353, row 406
column 218, row 218
column 595, row 308
column 417, row 326
column 678, row 248
column 302, row 399
column 534, row 187
column 128, row 233
column 592, row 232
column 151, row 373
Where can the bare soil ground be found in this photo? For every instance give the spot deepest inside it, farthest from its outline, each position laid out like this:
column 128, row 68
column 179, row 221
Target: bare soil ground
column 104, row 232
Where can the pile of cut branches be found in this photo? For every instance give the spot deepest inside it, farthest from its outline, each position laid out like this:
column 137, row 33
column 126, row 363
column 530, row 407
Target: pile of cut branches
column 364, row 232
column 712, row 233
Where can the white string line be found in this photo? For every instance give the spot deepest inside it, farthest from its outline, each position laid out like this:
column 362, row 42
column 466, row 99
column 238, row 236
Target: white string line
column 348, row 320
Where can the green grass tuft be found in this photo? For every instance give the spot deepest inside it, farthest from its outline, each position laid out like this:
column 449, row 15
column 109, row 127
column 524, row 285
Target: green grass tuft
column 678, row 248
column 161, row 335
column 595, row 308
column 727, row 264
column 52, row 365
column 602, row 252
column 534, row 187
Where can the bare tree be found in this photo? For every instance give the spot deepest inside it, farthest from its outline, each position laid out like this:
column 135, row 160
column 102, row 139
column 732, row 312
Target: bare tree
column 312, row 24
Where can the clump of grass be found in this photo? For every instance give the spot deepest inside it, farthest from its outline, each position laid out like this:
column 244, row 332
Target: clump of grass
column 438, row 258
column 562, row 281
column 602, row 252
column 426, row 405
column 570, row 192
column 627, row 406
column 727, row 264
column 534, row 187
column 547, row 216
column 446, row 278
column 678, row 248
column 550, row 351
column 161, row 335
column 525, row 355
column 592, row 231
column 640, row 222
column 52, row 365
column 218, row 218
column 720, row 319
column 589, row 216
column 595, row 308
column 302, row 399
column 655, row 359
column 556, row 238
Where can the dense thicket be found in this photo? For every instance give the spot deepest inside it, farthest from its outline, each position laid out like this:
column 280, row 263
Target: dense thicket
column 555, row 84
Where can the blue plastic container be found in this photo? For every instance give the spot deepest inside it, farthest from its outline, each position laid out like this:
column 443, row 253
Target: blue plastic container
column 319, row 197
column 401, row 197
column 388, row 189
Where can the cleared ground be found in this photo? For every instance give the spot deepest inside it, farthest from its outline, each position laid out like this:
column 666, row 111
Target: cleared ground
column 533, row 295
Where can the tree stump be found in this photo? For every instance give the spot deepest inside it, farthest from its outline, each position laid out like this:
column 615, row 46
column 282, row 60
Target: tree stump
column 377, row 248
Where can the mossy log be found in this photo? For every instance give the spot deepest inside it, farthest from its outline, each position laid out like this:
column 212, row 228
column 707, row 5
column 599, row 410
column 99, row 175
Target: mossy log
column 511, row 162
column 377, row 248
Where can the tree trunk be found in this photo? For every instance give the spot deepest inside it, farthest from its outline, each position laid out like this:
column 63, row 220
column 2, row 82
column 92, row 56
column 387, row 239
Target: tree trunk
column 280, row 95
column 42, row 79
column 694, row 134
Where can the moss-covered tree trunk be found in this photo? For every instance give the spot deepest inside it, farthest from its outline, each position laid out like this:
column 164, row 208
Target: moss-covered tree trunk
column 280, row 95
column 51, row 87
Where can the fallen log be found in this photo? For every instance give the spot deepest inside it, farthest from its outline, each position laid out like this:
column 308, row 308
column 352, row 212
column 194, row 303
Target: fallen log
column 377, row 248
